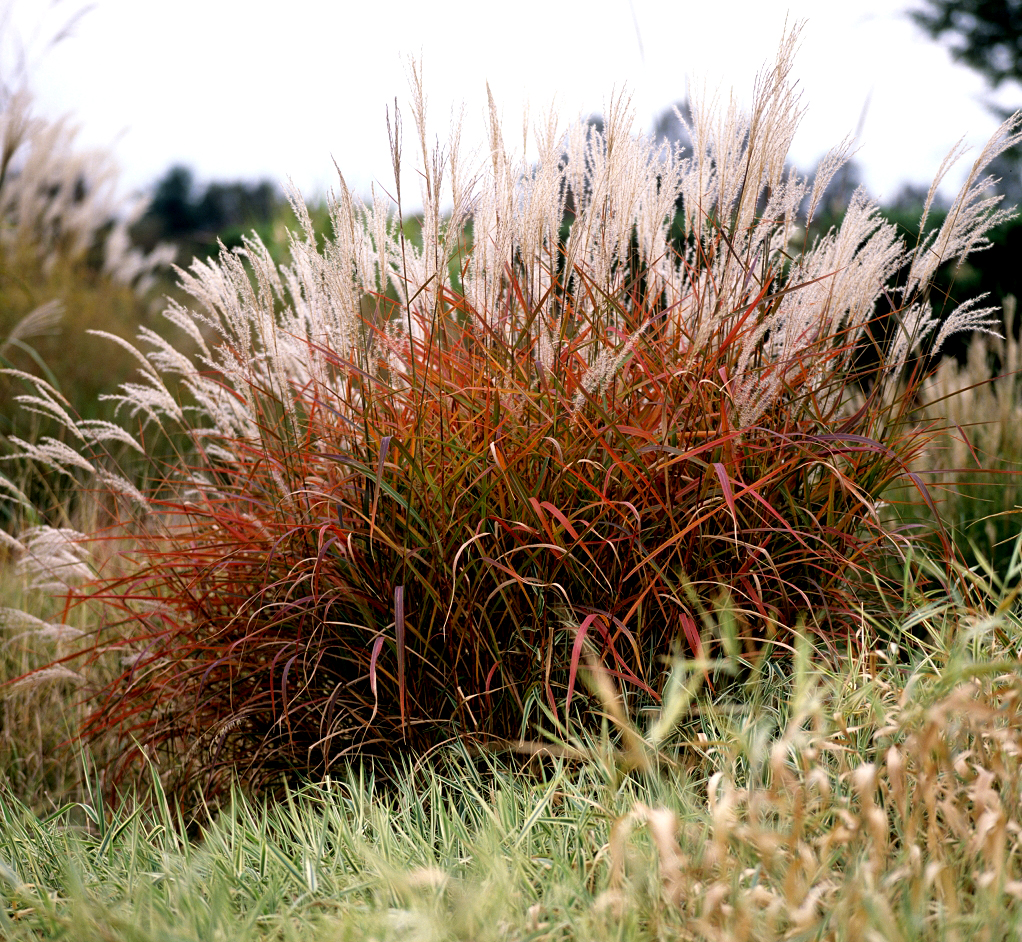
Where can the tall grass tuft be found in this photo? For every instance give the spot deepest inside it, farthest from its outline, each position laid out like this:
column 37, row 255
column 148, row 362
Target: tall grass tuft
column 423, row 483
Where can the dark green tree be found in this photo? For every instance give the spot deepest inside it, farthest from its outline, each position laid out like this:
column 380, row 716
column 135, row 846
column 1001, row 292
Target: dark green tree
column 194, row 221
column 987, row 36
column 984, row 34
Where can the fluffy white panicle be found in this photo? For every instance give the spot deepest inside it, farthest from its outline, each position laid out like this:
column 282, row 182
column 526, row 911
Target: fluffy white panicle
column 100, row 432
column 53, row 455
column 47, row 675
column 49, row 402
column 118, row 484
column 972, row 214
column 13, row 619
column 53, row 558
column 41, row 321
column 10, row 491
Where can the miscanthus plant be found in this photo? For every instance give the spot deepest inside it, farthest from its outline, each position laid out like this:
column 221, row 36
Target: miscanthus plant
column 423, row 482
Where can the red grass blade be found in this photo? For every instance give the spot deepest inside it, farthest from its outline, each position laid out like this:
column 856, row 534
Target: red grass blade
column 576, row 656
column 729, row 497
column 377, row 645
column 384, row 447
column 399, row 637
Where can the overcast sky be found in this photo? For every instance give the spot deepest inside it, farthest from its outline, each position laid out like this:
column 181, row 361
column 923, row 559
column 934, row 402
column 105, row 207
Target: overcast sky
column 260, row 89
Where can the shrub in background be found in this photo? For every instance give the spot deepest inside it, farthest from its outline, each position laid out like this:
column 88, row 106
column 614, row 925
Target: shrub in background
column 199, row 224
column 414, row 503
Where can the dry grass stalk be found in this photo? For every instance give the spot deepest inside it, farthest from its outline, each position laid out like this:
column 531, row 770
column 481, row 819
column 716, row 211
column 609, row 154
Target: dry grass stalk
column 924, row 831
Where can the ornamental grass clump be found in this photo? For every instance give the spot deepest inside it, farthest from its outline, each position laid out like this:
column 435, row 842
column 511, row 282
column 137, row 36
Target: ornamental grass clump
column 423, row 483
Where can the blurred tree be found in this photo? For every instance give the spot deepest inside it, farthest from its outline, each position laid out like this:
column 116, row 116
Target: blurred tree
column 172, row 203
column 194, row 221
column 985, row 34
column 231, row 205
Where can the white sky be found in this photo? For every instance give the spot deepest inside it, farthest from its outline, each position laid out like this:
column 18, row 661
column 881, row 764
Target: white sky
column 248, row 89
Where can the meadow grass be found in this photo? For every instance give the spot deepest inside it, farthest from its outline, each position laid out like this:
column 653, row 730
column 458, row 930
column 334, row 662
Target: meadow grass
column 875, row 796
